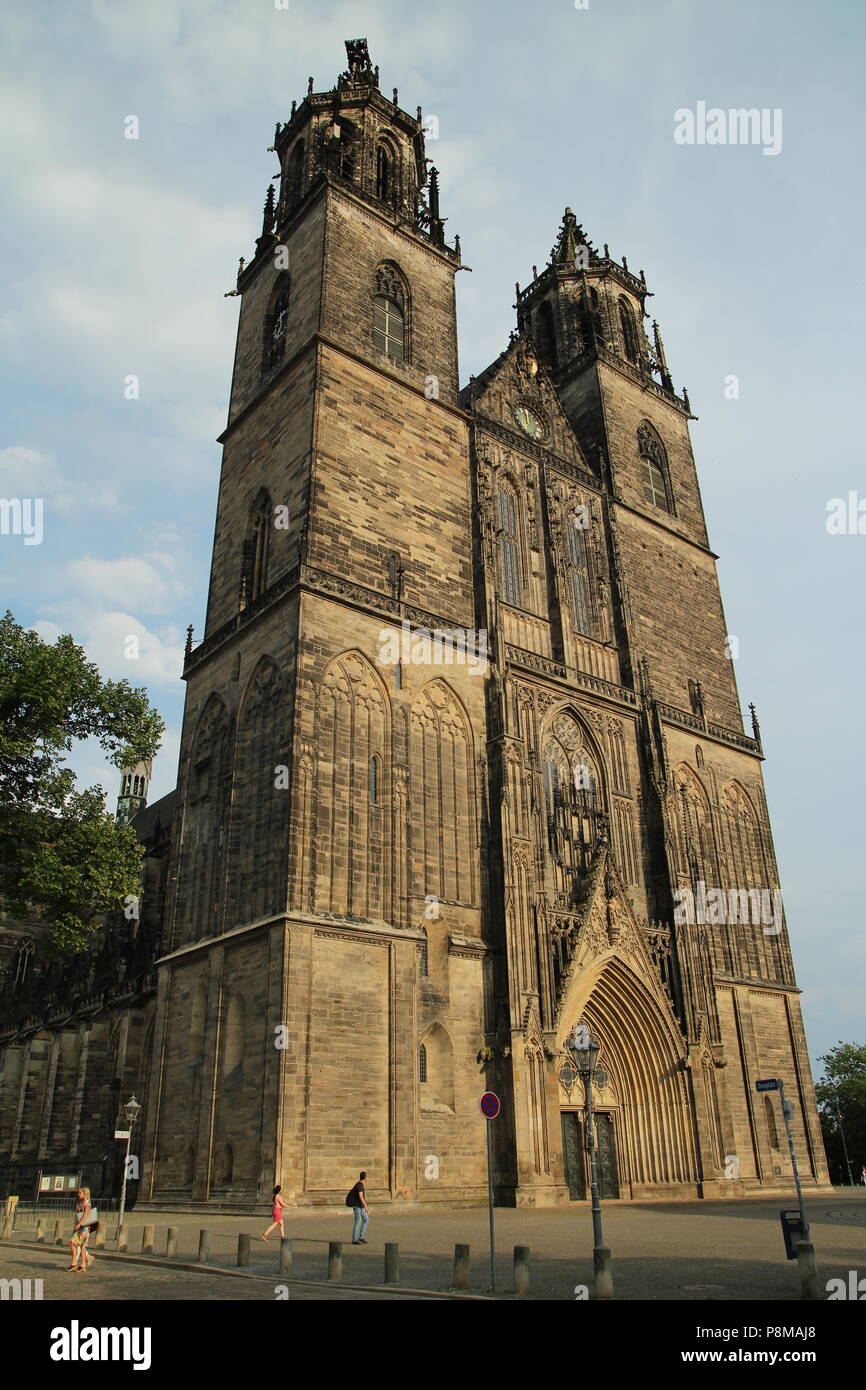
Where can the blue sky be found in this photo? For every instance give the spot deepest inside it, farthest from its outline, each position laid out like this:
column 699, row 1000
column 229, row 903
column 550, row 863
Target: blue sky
column 117, row 255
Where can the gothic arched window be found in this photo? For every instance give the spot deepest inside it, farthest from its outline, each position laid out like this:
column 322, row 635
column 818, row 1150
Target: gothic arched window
column 389, row 328
column 422, row 1065
column 656, row 485
column 425, row 954
column 385, row 168
column 551, row 788
column 276, row 328
column 375, row 779
column 578, row 579
column 254, row 573
column 347, row 139
column 390, row 313
column 509, row 544
column 629, row 332
column 574, row 804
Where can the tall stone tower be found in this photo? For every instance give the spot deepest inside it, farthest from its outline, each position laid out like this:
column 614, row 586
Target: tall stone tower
column 402, row 873
column 633, row 866
column 321, row 1005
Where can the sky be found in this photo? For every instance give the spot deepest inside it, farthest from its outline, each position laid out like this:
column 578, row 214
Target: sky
column 117, row 255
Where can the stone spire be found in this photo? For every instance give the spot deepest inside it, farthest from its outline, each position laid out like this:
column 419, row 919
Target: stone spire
column 572, row 243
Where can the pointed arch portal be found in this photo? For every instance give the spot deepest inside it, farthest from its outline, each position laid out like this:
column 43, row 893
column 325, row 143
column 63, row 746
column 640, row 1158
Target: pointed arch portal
column 646, row 1097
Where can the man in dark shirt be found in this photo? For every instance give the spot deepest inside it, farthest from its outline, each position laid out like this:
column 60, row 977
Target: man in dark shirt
column 360, row 1211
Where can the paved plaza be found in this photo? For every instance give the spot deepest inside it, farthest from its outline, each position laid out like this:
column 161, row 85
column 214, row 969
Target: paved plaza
column 701, row 1251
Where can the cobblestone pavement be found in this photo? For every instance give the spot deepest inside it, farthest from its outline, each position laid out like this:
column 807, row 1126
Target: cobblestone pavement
column 109, row 1280
column 701, row 1251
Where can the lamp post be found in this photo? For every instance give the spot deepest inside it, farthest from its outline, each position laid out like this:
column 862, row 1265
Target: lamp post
column 842, row 1136
column 584, row 1050
column 132, row 1110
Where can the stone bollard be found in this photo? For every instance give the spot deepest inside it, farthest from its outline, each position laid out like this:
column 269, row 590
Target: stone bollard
column 40, row 1231
column 285, row 1257
column 58, row 1233
column 243, row 1251
column 522, row 1282
column 99, row 1238
column 122, row 1238
column 203, row 1247
column 171, row 1243
column 461, row 1266
column 603, row 1272
column 808, row 1266
column 147, row 1240
column 335, row 1259
column 392, row 1264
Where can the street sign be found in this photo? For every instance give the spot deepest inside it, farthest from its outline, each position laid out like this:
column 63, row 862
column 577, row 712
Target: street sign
column 490, row 1106
column 122, row 1133
column 771, row 1085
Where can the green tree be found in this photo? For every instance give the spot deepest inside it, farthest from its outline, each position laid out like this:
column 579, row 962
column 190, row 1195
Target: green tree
column 61, row 852
column 841, row 1094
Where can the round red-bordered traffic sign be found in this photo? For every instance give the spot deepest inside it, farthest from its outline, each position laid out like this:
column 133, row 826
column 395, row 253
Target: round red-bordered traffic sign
column 490, row 1106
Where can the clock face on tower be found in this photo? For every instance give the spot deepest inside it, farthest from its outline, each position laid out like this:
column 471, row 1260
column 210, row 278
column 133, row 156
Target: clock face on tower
column 529, row 421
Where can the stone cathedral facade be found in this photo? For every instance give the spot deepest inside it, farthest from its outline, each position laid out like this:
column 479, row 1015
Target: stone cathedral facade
column 462, row 763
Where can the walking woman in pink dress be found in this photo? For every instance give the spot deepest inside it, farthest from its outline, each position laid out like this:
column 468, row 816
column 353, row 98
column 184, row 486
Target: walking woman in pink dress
column 277, row 1214
column 83, row 1227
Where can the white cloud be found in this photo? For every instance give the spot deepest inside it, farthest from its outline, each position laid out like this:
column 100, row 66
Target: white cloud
column 105, row 638
column 140, row 582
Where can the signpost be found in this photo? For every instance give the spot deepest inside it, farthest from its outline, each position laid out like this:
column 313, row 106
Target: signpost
column 490, row 1108
column 774, row 1084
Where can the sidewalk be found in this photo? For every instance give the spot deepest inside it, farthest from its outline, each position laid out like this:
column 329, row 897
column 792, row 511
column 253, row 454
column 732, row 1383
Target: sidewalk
column 699, row 1251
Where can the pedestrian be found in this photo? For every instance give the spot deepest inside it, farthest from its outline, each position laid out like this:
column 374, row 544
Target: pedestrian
column 357, row 1200
column 863, row 1175
column 85, row 1222
column 277, row 1214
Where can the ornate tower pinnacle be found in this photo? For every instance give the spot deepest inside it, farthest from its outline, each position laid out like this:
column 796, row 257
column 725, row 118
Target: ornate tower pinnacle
column 572, row 244
column 360, row 72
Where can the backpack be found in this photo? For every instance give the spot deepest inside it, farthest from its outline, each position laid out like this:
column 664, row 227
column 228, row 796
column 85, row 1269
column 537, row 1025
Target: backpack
column 350, row 1198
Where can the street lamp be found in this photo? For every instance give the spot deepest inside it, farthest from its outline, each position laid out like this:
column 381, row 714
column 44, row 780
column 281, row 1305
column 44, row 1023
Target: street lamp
column 132, row 1110
column 842, row 1136
column 583, row 1051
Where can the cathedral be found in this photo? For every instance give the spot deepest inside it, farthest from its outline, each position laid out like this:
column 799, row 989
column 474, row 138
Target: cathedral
column 462, row 766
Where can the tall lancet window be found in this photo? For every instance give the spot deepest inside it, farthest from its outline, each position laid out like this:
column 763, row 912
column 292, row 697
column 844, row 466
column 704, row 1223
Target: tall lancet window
column 391, row 312
column 629, row 332
column 347, row 138
column 656, row 482
column 509, row 544
column 384, row 174
column 254, row 578
column 389, row 328
column 578, row 579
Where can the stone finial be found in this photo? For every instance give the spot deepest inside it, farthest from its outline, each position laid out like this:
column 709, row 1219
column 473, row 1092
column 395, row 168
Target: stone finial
column 571, row 238
column 189, row 632
column 268, row 214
